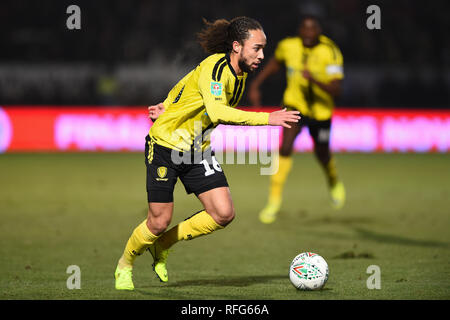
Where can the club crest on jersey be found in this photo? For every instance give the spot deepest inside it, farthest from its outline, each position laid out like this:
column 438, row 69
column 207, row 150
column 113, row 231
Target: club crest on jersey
column 162, row 172
column 216, row 88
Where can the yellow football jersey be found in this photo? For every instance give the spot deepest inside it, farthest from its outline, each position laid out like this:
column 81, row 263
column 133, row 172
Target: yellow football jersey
column 203, row 99
column 324, row 61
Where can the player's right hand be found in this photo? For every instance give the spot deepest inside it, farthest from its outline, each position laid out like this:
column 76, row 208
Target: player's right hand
column 155, row 111
column 283, row 117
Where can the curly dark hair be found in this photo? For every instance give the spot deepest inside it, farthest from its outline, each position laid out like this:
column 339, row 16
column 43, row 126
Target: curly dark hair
column 218, row 36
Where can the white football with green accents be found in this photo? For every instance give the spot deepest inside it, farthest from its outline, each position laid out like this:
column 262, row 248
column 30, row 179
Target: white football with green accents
column 308, row 271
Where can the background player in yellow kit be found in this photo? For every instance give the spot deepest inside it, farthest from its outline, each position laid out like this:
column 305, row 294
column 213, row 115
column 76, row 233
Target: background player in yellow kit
column 178, row 146
column 314, row 70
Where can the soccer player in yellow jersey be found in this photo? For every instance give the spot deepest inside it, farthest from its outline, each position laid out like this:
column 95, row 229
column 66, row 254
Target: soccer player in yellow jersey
column 178, row 143
column 314, row 71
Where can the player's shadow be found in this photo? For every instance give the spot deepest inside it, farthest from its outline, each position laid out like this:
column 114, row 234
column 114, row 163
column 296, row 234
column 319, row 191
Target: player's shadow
column 393, row 239
column 365, row 234
column 241, row 281
column 346, row 221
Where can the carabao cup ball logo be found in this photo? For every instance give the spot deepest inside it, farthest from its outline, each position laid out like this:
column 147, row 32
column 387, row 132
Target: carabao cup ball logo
column 216, row 88
column 5, row 131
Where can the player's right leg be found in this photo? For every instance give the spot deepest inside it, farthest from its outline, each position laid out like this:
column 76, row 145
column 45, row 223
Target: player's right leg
column 159, row 255
column 143, row 236
column 269, row 213
column 320, row 133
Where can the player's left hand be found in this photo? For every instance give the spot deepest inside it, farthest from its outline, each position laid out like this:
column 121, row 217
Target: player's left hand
column 283, row 117
column 155, row 111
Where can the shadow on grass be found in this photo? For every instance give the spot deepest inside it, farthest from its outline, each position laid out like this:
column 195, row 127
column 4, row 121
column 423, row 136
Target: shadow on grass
column 346, row 221
column 365, row 234
column 389, row 238
column 353, row 255
column 241, row 281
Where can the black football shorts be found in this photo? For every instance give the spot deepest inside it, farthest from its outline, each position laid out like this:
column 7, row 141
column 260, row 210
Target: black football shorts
column 318, row 129
column 164, row 166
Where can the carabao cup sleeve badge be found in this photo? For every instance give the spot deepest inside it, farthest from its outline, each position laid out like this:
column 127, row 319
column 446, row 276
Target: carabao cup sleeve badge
column 216, row 88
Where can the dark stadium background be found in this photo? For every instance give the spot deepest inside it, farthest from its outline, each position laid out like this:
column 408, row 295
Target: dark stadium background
column 73, row 119
column 141, row 48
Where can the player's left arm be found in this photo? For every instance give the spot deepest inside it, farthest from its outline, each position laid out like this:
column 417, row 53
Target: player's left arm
column 333, row 70
column 155, row 111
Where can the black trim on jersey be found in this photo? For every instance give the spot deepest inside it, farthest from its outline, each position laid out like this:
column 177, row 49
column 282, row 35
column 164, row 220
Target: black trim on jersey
column 216, row 66
column 179, row 95
column 219, row 74
column 241, row 92
column 238, row 94
column 235, row 90
column 227, row 56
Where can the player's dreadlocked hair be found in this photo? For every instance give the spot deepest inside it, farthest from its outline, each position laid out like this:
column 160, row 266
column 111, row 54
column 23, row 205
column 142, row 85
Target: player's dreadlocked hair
column 218, row 36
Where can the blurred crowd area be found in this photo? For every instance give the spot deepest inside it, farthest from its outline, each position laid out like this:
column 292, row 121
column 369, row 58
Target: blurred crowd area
column 132, row 52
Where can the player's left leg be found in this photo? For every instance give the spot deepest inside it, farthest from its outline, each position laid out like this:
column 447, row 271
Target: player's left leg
column 218, row 212
column 320, row 132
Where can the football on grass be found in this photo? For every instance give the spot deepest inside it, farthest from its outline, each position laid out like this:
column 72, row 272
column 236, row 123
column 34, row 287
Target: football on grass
column 308, row 271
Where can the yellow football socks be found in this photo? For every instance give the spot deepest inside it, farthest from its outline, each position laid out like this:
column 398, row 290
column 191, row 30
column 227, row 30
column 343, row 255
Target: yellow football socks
column 278, row 179
column 331, row 172
column 197, row 225
column 140, row 239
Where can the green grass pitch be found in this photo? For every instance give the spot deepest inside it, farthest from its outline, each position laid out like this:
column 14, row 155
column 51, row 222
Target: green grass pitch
column 58, row 210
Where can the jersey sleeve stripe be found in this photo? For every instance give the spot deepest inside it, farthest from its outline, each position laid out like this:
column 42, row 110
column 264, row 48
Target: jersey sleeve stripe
column 179, row 95
column 216, row 66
